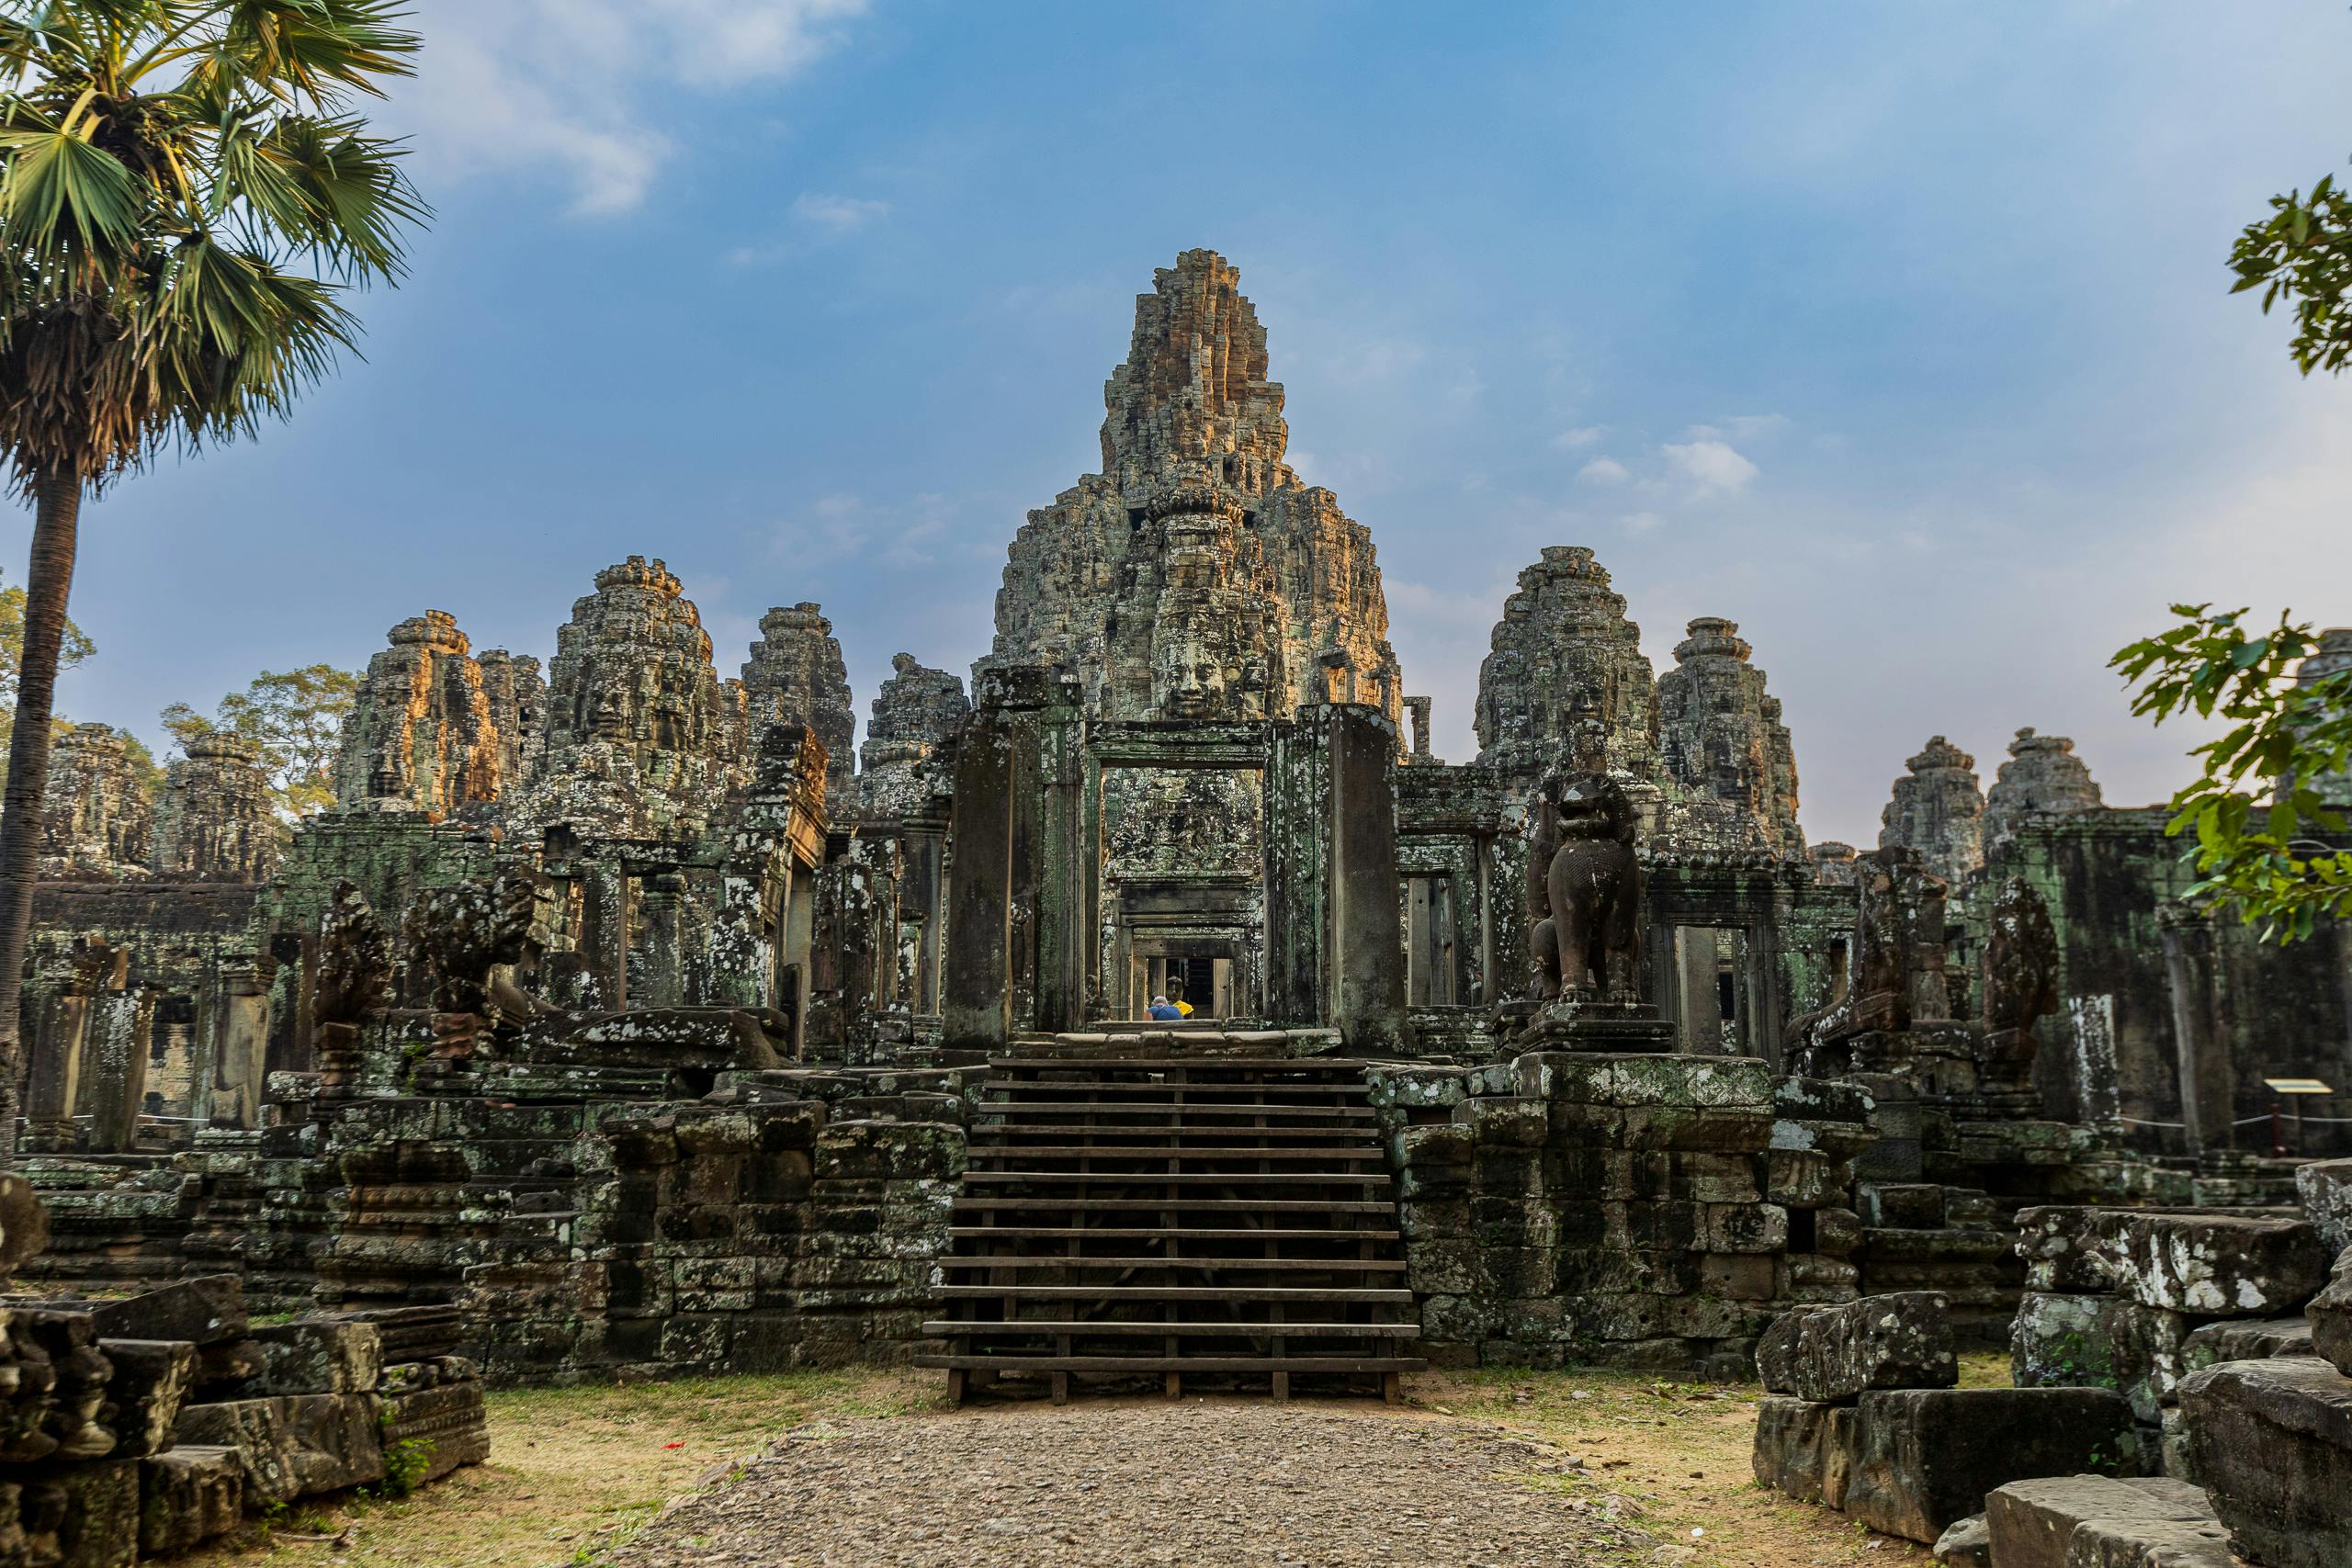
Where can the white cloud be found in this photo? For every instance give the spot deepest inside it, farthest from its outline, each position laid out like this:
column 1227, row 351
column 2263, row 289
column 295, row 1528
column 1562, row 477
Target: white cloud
column 1756, row 426
column 1710, row 465
column 1604, row 471
column 560, row 87
column 845, row 527
column 840, row 214
column 1640, row 522
column 1576, row 440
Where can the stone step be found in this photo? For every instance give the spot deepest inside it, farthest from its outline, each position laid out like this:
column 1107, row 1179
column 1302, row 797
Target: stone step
column 1114, row 1295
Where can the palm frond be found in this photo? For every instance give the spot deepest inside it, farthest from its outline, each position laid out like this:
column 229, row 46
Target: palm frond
column 61, row 196
column 318, row 50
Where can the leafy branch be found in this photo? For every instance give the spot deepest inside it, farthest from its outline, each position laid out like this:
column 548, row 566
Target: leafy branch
column 2290, row 732
column 2302, row 254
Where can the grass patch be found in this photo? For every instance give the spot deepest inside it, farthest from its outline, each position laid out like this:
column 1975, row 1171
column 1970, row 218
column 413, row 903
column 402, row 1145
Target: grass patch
column 575, row 1471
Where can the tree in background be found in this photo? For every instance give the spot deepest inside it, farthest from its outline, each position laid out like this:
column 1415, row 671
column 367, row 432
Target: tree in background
column 183, row 202
column 295, row 717
column 2292, row 736
column 73, row 648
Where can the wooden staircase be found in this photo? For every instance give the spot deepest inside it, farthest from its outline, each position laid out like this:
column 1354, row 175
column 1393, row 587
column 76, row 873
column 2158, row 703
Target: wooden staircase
column 1225, row 1217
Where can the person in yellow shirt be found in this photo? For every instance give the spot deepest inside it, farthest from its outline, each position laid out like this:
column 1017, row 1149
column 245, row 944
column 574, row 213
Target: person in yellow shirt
column 1183, row 1007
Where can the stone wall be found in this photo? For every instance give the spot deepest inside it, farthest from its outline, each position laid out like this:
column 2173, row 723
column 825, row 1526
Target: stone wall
column 1630, row 1211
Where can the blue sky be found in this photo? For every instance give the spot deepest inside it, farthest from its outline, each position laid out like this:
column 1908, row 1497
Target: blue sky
column 1895, row 332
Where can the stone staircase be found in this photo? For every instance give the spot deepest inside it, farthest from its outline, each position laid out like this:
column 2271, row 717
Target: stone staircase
column 1225, row 1218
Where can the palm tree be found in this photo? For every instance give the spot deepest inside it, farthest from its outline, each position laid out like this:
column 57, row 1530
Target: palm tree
column 184, row 200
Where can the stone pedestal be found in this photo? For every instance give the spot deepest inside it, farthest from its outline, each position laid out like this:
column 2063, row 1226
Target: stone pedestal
column 1575, row 1025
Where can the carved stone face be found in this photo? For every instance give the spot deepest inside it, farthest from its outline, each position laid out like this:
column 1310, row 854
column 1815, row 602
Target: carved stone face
column 610, row 720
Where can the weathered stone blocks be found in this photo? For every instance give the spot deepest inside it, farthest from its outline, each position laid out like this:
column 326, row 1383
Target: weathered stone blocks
column 202, row 1310
column 2273, row 1444
column 1836, row 1352
column 319, row 1355
column 2063, row 1341
column 188, row 1495
column 2216, row 1265
column 151, row 1380
column 2096, row 1521
column 293, row 1445
column 2326, row 1187
column 2329, row 1314
column 1925, row 1458
column 1804, row 1447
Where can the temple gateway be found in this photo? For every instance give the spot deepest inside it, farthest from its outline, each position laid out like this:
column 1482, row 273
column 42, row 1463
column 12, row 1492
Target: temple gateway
column 622, row 1018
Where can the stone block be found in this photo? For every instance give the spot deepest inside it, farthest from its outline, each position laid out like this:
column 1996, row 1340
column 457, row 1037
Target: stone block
column 203, row 1311
column 2273, row 1445
column 2330, row 1316
column 1925, row 1458
column 2217, row 1265
column 1802, row 1448
column 443, row 1427
column 80, row 1515
column 188, row 1495
column 1801, row 1179
column 2150, row 1355
column 2033, row 1523
column 1828, row 1353
column 1837, row 1232
column 150, row 1381
column 293, row 1445
column 1902, row 1206
column 2245, row 1340
column 2066, row 1249
column 1968, row 1544
column 319, row 1355
column 2063, row 1341
column 2326, row 1187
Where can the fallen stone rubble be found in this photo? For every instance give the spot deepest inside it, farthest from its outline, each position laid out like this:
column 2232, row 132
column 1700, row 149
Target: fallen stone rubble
column 141, row 1427
column 1890, row 1443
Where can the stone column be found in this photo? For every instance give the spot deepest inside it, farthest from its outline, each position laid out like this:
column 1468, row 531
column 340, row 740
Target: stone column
column 1016, row 940
column 2208, row 1087
column 1368, row 993
column 606, row 910
column 975, row 1006
column 241, row 1041
column 658, row 969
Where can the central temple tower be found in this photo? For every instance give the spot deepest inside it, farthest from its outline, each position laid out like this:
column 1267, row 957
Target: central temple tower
column 1195, row 577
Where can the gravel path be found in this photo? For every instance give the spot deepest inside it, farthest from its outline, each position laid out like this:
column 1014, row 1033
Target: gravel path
column 1202, row 1483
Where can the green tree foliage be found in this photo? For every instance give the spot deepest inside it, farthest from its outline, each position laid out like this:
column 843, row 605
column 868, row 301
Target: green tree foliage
column 295, row 717
column 185, row 201
column 2302, row 254
column 75, row 647
column 2269, row 830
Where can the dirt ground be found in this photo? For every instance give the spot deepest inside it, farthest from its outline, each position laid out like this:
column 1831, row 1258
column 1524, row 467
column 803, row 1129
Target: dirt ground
column 869, row 1468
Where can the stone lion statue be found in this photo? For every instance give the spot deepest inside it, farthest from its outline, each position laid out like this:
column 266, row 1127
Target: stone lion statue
column 1584, row 889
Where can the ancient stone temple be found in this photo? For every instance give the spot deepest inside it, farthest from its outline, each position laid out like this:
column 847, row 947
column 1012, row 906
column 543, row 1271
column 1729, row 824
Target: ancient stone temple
column 1731, row 765
column 613, row 1025
column 1196, row 577
column 99, row 822
column 214, row 823
column 517, row 693
column 1939, row 811
column 917, row 711
column 642, row 737
column 796, row 676
column 420, row 736
column 1567, row 682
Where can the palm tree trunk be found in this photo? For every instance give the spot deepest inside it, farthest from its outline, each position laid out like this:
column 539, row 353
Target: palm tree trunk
column 57, row 501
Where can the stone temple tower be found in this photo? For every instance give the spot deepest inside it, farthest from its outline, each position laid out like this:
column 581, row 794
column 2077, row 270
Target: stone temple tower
column 1195, row 576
